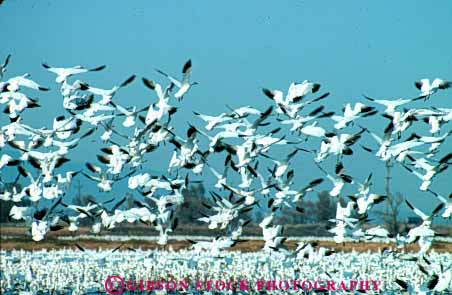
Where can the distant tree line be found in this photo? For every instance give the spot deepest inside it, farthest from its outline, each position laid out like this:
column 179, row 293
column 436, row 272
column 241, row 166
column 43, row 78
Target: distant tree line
column 319, row 211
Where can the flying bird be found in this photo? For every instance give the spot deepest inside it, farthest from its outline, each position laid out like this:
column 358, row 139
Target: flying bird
column 427, row 88
column 183, row 85
column 64, row 73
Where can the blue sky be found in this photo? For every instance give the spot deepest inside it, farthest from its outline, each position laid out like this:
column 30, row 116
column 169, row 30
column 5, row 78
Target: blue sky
column 237, row 47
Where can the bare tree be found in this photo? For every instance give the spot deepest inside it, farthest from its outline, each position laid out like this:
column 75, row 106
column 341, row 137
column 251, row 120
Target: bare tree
column 302, row 215
column 130, row 201
column 325, row 207
column 192, row 206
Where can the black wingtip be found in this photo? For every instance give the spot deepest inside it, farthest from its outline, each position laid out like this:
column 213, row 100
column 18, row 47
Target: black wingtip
column 128, row 81
column 187, row 66
column 100, row 68
column 418, row 84
column 268, row 93
column 80, row 247
column 315, row 87
column 148, row 83
column 368, row 98
column 409, row 205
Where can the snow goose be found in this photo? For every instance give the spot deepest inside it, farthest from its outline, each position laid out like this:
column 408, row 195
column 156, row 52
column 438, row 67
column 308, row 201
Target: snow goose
column 183, row 85
column 64, row 73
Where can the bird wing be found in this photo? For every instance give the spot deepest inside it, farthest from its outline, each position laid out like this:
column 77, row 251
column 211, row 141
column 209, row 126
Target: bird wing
column 417, row 211
column 6, row 61
column 186, row 71
column 127, row 81
column 57, row 71
column 172, row 79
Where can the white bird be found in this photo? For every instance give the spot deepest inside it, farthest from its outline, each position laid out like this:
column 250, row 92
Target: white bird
column 299, row 121
column 412, row 287
column 21, row 212
column 272, row 236
column 313, row 130
column 215, row 246
column 298, row 91
column 221, row 178
column 434, row 141
column 384, row 142
column 391, row 105
column 364, row 188
column 7, row 160
column 213, row 121
column 85, row 211
column 423, row 232
column 93, row 120
column 107, row 94
column 365, row 203
column 428, row 88
column 242, row 112
column 345, row 213
column 45, row 162
column 398, row 151
column 64, row 73
column 185, row 85
column 157, row 111
column 431, row 169
column 15, row 83
column 401, row 120
column 92, row 108
column 39, row 229
column 68, row 89
column 35, row 189
column 377, row 232
column 226, row 212
column 337, row 145
column 161, row 94
column 439, row 281
column 350, row 115
column 421, row 214
column 130, row 114
column 447, row 204
column 66, row 178
column 17, row 103
column 339, row 230
column 339, row 181
column 277, row 97
column 103, row 182
column 64, row 127
column 250, row 198
column 281, row 165
column 78, row 102
column 426, row 179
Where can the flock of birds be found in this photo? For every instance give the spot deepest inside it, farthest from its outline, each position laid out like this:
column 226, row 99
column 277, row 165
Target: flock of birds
column 70, row 271
column 254, row 175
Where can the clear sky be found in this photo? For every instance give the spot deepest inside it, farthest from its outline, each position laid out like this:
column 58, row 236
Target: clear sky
column 237, row 47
